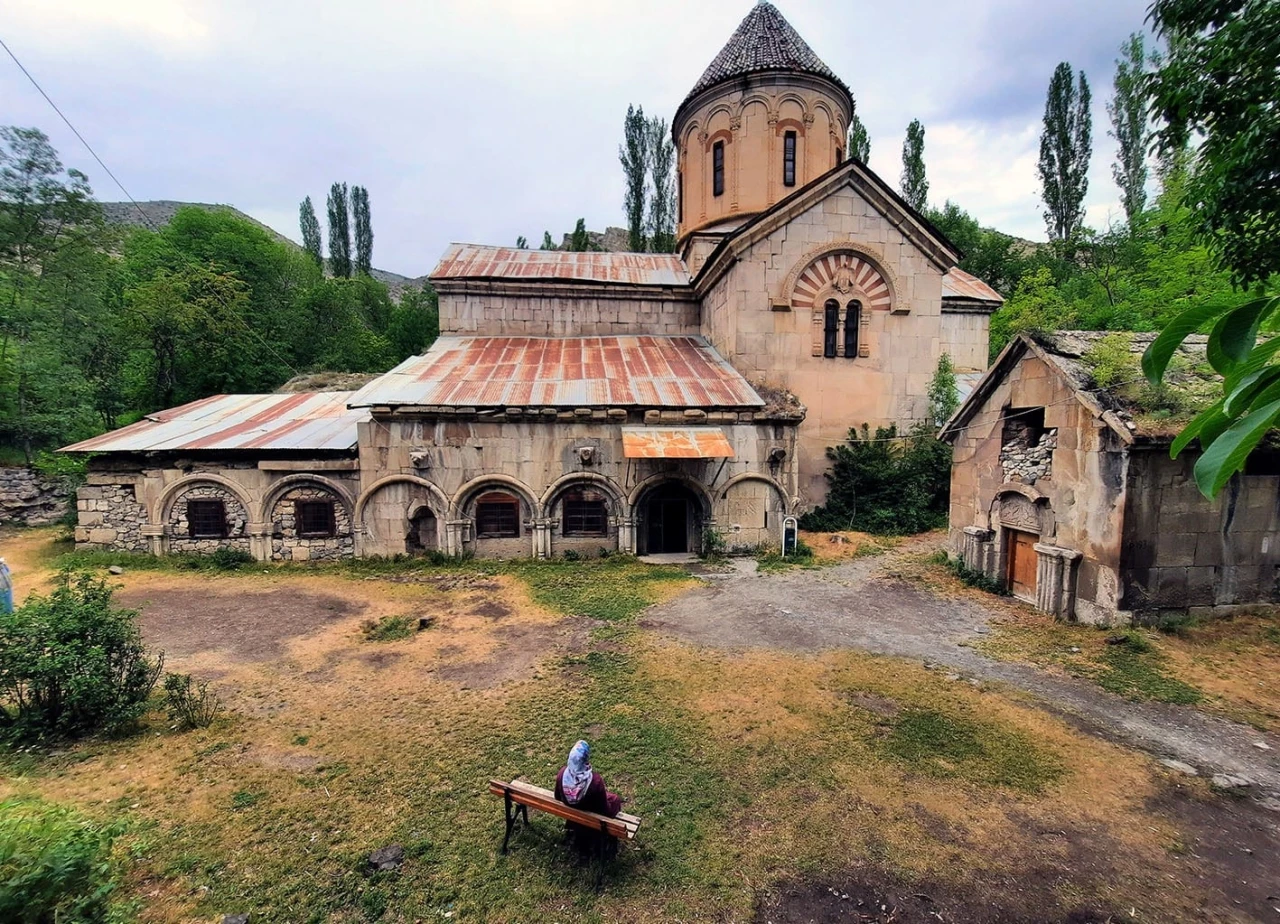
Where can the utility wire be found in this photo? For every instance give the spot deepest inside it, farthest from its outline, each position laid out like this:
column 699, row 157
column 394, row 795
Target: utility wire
column 141, row 211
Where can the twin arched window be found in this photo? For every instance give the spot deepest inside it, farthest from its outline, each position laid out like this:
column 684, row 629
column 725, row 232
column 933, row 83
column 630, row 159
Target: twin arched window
column 831, row 328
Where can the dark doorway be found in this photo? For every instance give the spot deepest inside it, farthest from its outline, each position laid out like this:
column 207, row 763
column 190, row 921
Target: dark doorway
column 670, row 520
column 422, row 537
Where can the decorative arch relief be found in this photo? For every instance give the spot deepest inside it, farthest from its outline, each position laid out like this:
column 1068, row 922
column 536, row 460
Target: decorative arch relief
column 845, row 273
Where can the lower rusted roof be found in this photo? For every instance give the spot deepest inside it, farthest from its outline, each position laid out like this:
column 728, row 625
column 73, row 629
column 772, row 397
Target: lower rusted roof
column 309, row 421
column 476, row 261
column 675, row 443
column 567, row 372
column 959, row 284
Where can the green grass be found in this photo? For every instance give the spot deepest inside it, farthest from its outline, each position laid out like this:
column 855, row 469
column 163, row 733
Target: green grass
column 947, row 746
column 389, row 628
column 1136, row 671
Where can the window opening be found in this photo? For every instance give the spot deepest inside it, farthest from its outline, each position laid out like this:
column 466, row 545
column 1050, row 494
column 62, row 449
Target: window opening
column 1024, row 425
column 206, row 519
column 789, row 159
column 497, row 517
column 852, row 326
column 717, row 168
column 585, row 514
column 680, row 197
column 315, row 519
column 830, row 326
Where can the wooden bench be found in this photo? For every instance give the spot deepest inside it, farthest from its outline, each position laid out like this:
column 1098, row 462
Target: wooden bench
column 519, row 797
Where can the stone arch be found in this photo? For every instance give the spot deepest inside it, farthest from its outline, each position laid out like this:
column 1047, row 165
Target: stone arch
column 756, row 476
column 469, row 491
column 238, row 508
column 385, row 515
column 722, row 134
column 530, row 529
column 583, row 543
column 756, row 97
column 847, row 273
column 865, row 253
column 751, row 509
column 290, row 482
column 697, row 487
column 1023, row 507
column 670, row 512
column 616, row 497
column 791, row 97
column 167, row 497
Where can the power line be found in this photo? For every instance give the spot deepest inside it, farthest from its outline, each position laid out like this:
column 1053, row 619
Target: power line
column 141, row 211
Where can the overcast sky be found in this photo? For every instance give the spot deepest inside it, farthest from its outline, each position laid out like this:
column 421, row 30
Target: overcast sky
column 483, row 120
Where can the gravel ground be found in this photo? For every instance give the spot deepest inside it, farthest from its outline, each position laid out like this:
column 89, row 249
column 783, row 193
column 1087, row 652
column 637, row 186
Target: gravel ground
column 860, row 604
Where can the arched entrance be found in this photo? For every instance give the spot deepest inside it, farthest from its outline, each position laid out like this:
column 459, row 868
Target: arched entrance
column 670, row 520
column 423, row 535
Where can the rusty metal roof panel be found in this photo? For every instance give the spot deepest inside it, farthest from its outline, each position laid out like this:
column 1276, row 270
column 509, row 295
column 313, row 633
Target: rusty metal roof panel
column 568, row 372
column 476, row 261
column 308, row 422
column 959, row 284
column 675, row 443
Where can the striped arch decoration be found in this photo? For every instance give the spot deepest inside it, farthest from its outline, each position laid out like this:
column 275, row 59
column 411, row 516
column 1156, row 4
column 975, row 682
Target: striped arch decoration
column 845, row 274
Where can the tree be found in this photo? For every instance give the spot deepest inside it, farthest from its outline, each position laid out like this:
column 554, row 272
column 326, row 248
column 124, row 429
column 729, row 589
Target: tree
column 1130, row 126
column 944, row 393
column 522, row 243
column 634, row 156
column 310, row 232
column 995, row 258
column 547, row 242
column 915, row 186
column 662, row 195
column 364, row 230
column 339, row 232
column 1219, row 80
column 858, row 142
column 1066, row 145
column 580, row 240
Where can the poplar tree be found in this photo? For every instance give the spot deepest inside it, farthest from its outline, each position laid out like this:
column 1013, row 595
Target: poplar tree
column 915, row 186
column 547, row 242
column 339, row 231
column 364, row 230
column 1130, row 126
column 310, row 231
column 1065, row 148
column 522, row 243
column 634, row 156
column 662, row 194
column 580, row 240
column 858, row 142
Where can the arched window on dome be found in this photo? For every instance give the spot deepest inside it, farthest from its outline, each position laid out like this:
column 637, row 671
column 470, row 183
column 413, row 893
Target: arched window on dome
column 852, row 325
column 717, row 168
column 830, row 328
column 789, row 159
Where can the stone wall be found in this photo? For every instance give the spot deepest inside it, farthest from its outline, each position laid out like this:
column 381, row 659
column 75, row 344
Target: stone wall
column 110, row 517
column 29, row 499
column 1185, row 552
column 583, row 310
column 177, row 530
column 1026, row 455
column 287, row 545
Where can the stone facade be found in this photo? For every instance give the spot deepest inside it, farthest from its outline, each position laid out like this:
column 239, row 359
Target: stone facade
column 1026, row 455
column 288, row 545
column 28, row 498
column 506, row 309
column 177, row 527
column 110, row 517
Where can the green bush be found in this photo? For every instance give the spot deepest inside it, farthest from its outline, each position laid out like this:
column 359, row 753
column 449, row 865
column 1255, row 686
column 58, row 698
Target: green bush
column 55, row 866
column 972, row 576
column 389, row 628
column 713, row 544
column 227, row 559
column 71, row 664
column 190, row 704
column 885, row 484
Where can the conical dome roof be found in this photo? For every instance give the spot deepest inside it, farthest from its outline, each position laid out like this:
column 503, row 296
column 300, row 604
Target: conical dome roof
column 763, row 41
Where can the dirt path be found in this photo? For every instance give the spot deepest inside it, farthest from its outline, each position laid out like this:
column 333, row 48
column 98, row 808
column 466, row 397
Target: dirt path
column 861, row 604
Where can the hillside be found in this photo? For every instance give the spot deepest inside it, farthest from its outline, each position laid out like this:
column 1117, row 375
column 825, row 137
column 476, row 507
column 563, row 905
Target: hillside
column 161, row 211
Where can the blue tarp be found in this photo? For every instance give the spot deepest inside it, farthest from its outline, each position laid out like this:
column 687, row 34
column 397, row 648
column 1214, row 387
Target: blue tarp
column 6, row 588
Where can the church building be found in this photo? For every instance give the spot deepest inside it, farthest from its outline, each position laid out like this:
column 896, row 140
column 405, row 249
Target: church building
column 586, row 402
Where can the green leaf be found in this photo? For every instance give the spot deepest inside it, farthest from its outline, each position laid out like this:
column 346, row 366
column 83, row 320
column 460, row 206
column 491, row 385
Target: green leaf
column 1242, row 395
column 1210, row 414
column 1262, row 354
column 1228, row 453
column 1156, row 357
column 1237, row 332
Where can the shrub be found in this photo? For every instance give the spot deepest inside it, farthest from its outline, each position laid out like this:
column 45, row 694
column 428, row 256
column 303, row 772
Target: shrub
column 971, row 576
column 190, row 705
column 886, row 483
column 226, row 559
column 713, row 544
column 572, row 555
column 71, row 664
column 54, row 865
column 388, row 628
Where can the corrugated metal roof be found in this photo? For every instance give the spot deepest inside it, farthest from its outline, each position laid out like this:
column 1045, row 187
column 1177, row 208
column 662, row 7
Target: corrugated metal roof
column 569, row 372
column 475, row 261
column 675, row 443
column 308, row 421
column 959, row 284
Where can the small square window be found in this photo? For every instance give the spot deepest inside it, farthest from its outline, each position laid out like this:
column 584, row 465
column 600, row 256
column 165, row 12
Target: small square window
column 497, row 517
column 315, row 519
column 585, row 514
column 206, row 519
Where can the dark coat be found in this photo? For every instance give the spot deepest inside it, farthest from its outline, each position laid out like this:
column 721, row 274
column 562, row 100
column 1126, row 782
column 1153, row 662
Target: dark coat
column 596, row 799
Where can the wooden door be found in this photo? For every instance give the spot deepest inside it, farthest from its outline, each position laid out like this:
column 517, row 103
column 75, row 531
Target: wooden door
column 1022, row 563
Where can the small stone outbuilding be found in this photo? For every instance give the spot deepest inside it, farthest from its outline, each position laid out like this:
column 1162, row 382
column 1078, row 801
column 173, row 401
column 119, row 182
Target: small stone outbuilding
column 1065, row 492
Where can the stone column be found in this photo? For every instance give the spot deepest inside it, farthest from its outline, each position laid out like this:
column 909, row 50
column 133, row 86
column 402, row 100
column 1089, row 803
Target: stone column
column 1056, row 580
column 455, row 536
column 627, row 535
column 154, row 534
column 541, row 538
column 259, row 540
column 976, row 553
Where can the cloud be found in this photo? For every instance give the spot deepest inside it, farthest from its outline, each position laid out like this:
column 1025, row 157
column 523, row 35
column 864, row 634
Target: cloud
column 491, row 119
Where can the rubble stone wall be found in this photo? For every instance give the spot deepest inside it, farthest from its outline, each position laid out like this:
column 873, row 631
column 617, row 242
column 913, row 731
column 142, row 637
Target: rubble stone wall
column 176, row 527
column 110, row 517
column 29, row 499
column 1028, row 463
column 287, row 545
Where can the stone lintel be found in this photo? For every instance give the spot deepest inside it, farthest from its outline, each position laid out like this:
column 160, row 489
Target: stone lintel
column 309, row 465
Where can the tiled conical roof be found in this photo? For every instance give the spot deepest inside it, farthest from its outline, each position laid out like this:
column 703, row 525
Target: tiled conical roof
column 763, row 41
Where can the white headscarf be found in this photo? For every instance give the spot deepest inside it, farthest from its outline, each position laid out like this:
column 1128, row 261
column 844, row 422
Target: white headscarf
column 577, row 773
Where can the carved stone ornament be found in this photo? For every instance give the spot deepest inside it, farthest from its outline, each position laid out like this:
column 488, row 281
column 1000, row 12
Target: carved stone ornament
column 420, row 458
column 735, row 123
column 843, row 281
column 1018, row 512
column 586, row 454
column 703, row 136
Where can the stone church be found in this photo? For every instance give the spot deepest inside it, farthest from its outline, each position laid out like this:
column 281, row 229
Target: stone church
column 586, row 402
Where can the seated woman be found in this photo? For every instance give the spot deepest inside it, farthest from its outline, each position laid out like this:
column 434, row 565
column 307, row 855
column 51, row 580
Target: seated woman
column 580, row 786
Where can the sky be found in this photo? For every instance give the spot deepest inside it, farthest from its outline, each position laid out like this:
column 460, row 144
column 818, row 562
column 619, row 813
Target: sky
column 483, row 120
